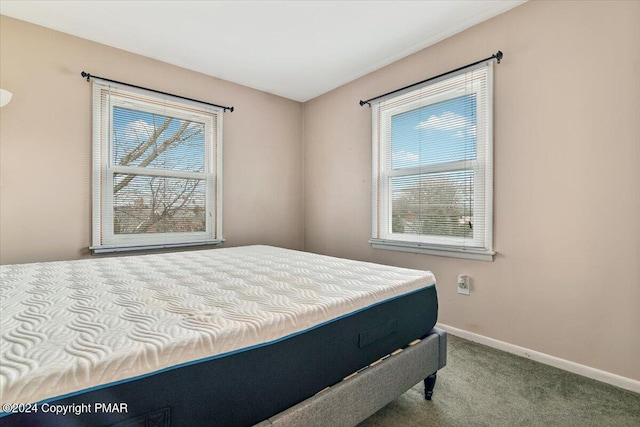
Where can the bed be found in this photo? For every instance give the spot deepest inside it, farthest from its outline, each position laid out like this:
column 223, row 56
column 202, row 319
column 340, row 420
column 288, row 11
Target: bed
column 244, row 336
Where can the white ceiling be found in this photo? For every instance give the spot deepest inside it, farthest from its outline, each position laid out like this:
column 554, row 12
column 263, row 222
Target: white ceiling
column 295, row 49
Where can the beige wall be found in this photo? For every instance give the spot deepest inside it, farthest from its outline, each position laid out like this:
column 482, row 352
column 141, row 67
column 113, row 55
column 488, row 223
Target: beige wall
column 566, row 280
column 45, row 145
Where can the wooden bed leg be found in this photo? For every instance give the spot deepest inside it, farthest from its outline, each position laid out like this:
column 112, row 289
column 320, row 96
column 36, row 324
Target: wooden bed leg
column 429, row 384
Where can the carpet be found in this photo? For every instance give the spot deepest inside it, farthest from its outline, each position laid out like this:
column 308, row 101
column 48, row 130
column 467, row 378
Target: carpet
column 481, row 386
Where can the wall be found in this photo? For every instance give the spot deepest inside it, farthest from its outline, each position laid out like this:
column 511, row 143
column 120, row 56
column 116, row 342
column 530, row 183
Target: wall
column 45, row 145
column 565, row 281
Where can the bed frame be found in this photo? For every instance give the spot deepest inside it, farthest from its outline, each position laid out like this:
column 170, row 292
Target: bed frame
column 353, row 400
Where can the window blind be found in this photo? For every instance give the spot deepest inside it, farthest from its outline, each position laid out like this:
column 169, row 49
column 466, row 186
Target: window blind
column 157, row 169
column 432, row 164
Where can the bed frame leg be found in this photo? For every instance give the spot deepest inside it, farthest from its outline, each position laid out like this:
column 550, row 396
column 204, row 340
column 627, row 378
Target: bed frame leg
column 429, row 384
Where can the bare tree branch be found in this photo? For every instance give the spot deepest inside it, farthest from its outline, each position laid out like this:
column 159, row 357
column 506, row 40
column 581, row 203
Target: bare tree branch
column 142, row 148
column 168, row 209
column 166, row 197
column 154, row 154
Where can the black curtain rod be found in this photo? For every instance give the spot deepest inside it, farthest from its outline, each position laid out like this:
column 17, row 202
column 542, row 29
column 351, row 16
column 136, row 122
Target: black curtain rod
column 497, row 56
column 88, row 77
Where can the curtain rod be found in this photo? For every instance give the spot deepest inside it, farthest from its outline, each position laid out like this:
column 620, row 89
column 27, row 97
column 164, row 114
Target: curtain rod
column 88, row 77
column 498, row 56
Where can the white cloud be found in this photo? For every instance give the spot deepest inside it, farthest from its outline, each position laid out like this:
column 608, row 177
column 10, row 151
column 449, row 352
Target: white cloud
column 405, row 157
column 133, row 132
column 445, row 121
column 138, row 130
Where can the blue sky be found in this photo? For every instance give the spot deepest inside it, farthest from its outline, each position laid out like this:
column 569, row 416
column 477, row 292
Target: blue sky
column 441, row 132
column 132, row 127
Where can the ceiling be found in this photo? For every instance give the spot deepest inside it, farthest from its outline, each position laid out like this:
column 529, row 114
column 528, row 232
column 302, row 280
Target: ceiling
column 295, row 49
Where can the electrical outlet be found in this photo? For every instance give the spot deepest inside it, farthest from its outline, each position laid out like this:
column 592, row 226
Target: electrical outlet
column 463, row 284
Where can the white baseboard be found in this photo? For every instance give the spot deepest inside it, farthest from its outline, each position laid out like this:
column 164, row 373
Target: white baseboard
column 576, row 368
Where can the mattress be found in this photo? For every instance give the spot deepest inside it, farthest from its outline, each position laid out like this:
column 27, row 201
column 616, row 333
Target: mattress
column 74, row 327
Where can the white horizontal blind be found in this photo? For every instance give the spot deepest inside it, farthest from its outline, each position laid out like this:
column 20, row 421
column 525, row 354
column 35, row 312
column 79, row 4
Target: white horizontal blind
column 432, row 165
column 157, row 169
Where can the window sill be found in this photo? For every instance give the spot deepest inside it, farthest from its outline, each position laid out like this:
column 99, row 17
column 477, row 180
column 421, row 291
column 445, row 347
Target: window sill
column 97, row 250
column 417, row 248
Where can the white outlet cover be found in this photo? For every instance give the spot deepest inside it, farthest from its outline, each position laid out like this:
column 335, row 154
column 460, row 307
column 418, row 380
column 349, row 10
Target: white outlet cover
column 463, row 285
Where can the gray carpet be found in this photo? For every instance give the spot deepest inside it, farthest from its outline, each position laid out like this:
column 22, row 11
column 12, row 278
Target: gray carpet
column 481, row 386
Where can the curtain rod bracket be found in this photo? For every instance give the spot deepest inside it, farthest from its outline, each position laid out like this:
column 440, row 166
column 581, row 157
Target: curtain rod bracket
column 88, row 76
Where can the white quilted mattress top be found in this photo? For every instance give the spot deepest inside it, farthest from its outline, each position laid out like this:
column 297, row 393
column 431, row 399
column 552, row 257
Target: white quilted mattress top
column 71, row 325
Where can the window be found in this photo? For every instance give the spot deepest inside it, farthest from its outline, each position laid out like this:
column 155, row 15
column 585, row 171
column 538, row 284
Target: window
column 432, row 168
column 157, row 167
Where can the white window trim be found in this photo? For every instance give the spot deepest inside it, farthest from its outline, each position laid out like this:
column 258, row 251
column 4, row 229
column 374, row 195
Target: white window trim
column 103, row 238
column 473, row 249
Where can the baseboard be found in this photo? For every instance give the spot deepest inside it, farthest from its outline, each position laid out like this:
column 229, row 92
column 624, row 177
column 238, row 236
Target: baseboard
column 576, row 368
